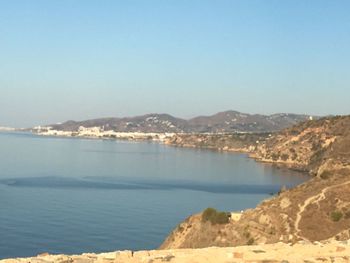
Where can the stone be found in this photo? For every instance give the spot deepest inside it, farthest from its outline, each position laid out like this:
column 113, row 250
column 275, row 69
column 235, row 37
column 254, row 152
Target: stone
column 259, row 251
column 238, row 255
column 67, row 260
column 43, row 254
column 340, row 249
column 321, row 259
column 83, row 260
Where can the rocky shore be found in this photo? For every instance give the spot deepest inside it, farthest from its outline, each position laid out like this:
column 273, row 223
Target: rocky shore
column 334, row 251
column 316, row 211
column 312, row 146
column 229, row 142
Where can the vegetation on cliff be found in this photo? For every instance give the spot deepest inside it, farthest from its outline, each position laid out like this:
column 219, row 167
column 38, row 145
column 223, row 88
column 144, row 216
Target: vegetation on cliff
column 235, row 142
column 317, row 210
column 215, row 217
column 314, row 146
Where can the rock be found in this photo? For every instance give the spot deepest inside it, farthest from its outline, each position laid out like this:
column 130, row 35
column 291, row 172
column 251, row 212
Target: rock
column 82, row 260
column 264, row 219
column 259, row 251
column 340, row 249
column 238, row 255
column 285, row 202
column 43, row 254
column 41, row 260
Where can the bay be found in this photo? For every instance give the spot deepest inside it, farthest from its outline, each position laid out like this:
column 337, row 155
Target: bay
column 69, row 195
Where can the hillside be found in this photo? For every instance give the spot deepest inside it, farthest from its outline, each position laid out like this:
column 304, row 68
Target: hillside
column 233, row 142
column 316, row 210
column 228, row 121
column 313, row 146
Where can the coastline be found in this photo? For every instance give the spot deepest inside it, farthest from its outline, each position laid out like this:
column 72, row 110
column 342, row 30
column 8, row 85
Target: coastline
column 283, row 218
column 251, row 148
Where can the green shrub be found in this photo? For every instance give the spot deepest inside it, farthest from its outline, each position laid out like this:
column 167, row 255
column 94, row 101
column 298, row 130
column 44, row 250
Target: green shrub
column 325, row 174
column 214, row 216
column 272, row 231
column 316, row 146
column 250, row 241
column 336, row 216
column 221, row 218
column 180, row 228
column 318, row 155
column 246, row 234
column 208, row 214
column 275, row 156
column 284, row 157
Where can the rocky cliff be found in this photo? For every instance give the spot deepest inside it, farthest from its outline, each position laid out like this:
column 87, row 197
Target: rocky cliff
column 234, row 142
column 316, row 210
column 314, row 146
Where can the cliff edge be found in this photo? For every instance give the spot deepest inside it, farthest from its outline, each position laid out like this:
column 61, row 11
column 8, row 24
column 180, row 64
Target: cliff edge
column 316, row 210
column 301, row 252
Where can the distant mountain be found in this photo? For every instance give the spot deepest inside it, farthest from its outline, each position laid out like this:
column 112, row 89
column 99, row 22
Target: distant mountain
column 228, row 121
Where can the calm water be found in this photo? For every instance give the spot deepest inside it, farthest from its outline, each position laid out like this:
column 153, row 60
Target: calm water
column 63, row 195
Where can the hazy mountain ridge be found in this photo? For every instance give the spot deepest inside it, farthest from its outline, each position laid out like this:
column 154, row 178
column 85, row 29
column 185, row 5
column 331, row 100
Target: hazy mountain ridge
column 227, row 121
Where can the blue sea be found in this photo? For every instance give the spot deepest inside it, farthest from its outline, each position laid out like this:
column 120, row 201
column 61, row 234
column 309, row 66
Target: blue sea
column 69, row 195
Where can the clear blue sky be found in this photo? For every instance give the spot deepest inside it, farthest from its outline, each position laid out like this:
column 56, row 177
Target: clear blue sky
column 83, row 59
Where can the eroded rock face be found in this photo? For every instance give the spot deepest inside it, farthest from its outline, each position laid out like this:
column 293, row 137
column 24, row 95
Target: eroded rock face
column 315, row 146
column 222, row 142
column 314, row 211
column 301, row 252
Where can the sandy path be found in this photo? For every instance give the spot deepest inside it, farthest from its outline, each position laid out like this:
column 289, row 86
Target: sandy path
column 311, row 200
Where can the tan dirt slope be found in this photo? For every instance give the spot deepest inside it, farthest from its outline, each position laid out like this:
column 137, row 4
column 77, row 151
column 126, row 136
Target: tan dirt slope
column 316, row 210
column 313, row 146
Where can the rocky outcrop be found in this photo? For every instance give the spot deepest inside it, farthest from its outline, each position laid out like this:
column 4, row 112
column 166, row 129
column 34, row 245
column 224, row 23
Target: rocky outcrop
column 247, row 142
column 279, row 252
column 317, row 210
column 313, row 146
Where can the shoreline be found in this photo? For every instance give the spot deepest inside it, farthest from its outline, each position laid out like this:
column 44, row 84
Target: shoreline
column 165, row 139
column 251, row 155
